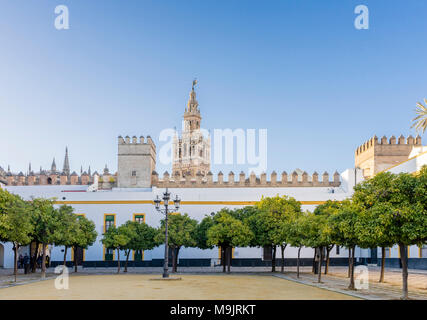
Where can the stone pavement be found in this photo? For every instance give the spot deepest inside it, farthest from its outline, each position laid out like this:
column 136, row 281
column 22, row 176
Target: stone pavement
column 336, row 280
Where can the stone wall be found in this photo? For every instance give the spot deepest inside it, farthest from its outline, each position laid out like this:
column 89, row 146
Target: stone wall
column 377, row 155
column 294, row 180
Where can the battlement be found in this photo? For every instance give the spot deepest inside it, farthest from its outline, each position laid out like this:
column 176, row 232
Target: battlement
column 53, row 178
column 296, row 179
column 376, row 155
column 374, row 141
column 136, row 141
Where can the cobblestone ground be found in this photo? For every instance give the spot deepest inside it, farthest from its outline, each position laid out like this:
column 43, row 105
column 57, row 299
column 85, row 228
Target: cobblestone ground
column 336, row 280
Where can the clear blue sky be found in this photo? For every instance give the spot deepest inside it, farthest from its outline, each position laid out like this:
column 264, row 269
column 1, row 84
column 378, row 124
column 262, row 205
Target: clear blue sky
column 298, row 68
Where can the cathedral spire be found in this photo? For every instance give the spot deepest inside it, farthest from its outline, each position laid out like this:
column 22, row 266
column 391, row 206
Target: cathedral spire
column 53, row 167
column 66, row 167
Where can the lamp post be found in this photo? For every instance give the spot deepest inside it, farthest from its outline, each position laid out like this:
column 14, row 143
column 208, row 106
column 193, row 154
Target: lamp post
column 165, row 211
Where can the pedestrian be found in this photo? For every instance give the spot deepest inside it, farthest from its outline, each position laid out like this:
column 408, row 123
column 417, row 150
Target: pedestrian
column 20, row 261
column 26, row 261
column 39, row 261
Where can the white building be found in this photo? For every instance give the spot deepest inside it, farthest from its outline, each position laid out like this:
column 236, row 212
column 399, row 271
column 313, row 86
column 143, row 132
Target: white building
column 106, row 201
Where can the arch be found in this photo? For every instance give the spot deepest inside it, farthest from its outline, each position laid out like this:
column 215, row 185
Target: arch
column 1, row 256
column 49, row 180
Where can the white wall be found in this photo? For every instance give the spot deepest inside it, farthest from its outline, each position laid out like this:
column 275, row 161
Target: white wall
column 205, row 201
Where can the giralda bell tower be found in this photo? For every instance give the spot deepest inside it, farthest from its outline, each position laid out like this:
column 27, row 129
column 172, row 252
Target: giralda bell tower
column 191, row 152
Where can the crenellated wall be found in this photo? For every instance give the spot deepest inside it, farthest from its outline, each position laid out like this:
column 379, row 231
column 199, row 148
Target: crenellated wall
column 376, row 155
column 301, row 179
column 49, row 179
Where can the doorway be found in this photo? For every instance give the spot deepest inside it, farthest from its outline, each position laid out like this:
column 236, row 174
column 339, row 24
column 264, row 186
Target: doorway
column 1, row 256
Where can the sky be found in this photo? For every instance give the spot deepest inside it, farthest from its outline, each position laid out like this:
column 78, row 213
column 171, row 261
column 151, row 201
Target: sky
column 299, row 69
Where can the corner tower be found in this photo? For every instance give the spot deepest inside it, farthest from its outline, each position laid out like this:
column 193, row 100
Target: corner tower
column 191, row 152
column 376, row 155
column 136, row 162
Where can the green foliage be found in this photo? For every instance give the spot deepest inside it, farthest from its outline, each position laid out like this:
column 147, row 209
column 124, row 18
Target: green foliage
column 342, row 224
column 298, row 230
column 141, row 236
column 181, row 231
column 394, row 209
column 201, row 232
column 271, row 219
column 228, row 231
column 116, row 238
column 67, row 227
column 44, row 218
column 15, row 222
column 87, row 234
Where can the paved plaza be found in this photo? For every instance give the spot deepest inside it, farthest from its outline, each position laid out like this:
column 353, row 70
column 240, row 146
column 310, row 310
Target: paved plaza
column 209, row 283
column 190, row 287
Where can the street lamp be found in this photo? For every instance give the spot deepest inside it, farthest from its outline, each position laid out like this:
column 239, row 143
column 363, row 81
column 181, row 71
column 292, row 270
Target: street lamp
column 165, row 211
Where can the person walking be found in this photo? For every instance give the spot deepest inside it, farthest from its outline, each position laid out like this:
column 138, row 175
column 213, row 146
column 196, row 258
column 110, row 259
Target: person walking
column 26, row 262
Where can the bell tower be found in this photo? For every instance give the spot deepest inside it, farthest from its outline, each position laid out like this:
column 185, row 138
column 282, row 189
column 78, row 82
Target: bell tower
column 191, row 152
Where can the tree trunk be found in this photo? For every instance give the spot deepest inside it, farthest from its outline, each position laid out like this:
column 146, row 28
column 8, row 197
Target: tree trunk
column 299, row 251
column 282, row 267
column 15, row 263
column 44, row 261
column 75, row 258
column 65, row 256
column 319, row 271
column 351, row 286
column 127, row 259
column 176, row 259
column 34, row 257
column 229, row 254
column 118, row 260
column 173, row 259
column 328, row 250
column 223, row 258
column 404, row 259
column 314, row 261
column 273, row 260
column 382, row 264
column 349, row 263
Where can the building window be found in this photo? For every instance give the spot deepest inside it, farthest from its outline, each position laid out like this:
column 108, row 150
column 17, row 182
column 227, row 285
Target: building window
column 388, row 252
column 138, row 255
column 338, row 249
column 423, row 251
column 109, row 254
column 140, row 218
column 109, row 220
